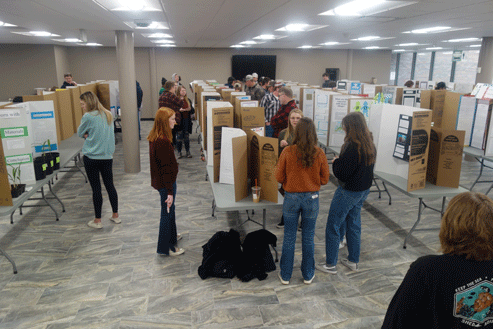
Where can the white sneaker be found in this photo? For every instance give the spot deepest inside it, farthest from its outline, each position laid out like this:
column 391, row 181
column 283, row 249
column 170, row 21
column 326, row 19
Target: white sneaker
column 281, row 279
column 352, row 266
column 94, row 224
column 116, row 220
column 179, row 237
column 326, row 268
column 309, row 281
column 341, row 245
column 178, row 251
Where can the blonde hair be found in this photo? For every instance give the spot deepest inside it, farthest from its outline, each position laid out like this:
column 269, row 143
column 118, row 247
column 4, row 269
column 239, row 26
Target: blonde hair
column 161, row 125
column 93, row 104
column 290, row 129
column 467, row 227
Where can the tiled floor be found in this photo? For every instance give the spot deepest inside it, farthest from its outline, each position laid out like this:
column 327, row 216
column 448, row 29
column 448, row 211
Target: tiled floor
column 72, row 276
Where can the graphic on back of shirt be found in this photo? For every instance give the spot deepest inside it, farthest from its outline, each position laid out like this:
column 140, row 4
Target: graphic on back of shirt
column 474, row 303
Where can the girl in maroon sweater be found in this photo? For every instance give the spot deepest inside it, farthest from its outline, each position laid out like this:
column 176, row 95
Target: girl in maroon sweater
column 164, row 170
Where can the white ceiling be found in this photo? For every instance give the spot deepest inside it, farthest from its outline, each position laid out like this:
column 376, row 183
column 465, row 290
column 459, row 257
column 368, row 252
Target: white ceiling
column 222, row 23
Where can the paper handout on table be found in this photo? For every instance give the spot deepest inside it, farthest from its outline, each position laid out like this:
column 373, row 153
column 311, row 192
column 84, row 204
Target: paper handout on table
column 226, row 170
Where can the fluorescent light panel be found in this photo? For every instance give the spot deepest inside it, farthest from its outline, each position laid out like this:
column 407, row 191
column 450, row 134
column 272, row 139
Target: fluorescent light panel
column 408, row 44
column 475, row 46
column 6, row 24
column 434, row 48
column 431, row 29
column 464, row 40
column 248, row 42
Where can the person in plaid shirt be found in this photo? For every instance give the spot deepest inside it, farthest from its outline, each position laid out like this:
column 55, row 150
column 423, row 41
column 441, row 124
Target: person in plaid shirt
column 280, row 120
column 169, row 99
column 270, row 103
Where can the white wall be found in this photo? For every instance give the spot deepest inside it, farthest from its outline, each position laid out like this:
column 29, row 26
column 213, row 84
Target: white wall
column 61, row 63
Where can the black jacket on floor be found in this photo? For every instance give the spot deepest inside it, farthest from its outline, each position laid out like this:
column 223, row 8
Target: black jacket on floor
column 221, row 255
column 257, row 257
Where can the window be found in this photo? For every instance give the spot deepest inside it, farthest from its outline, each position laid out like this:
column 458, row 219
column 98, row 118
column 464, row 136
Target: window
column 442, row 66
column 422, row 69
column 393, row 67
column 405, row 65
column 466, row 69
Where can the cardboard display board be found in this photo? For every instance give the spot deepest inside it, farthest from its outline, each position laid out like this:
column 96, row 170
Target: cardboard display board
column 339, row 108
column 240, row 169
column 480, row 125
column 32, row 98
column 17, row 142
column 51, row 96
column 5, row 195
column 355, row 88
column 392, row 94
column 321, row 112
column 204, row 97
column 434, row 100
column 411, row 97
column 219, row 114
column 42, row 125
column 226, row 93
column 445, row 157
column 76, row 108
column 371, row 90
column 465, row 116
column 361, row 104
column 488, row 148
column 264, row 152
column 391, row 125
column 109, row 96
column 226, row 170
column 252, row 117
column 64, row 110
column 450, row 110
column 307, row 101
column 237, row 109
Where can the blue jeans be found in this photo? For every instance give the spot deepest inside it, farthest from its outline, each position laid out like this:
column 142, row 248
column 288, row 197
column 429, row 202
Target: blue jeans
column 306, row 204
column 269, row 131
column 345, row 210
column 167, row 226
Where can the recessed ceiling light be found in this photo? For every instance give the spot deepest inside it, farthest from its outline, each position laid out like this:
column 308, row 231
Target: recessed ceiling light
column 372, row 37
column 475, row 46
column 147, row 26
column 40, row 33
column 237, row 46
column 167, row 45
column 6, row 24
column 93, row 44
column 306, row 47
column 464, row 40
column 72, row 40
column 132, row 4
column 265, row 37
column 422, row 54
column 353, row 8
column 372, row 47
column 248, row 42
column 158, row 35
column 431, row 29
column 398, row 50
column 330, row 43
column 448, row 52
column 408, row 44
column 296, row 27
column 434, row 48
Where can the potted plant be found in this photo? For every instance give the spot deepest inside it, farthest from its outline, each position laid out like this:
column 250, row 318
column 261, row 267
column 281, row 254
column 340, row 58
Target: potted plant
column 16, row 188
column 55, row 156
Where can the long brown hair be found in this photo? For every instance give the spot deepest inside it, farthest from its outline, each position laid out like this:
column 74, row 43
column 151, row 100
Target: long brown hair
column 305, row 140
column 161, row 125
column 290, row 130
column 357, row 132
column 467, row 227
column 93, row 104
column 178, row 90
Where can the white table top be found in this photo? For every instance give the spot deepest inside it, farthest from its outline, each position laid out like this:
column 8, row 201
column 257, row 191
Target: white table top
column 225, row 200
column 430, row 191
column 476, row 153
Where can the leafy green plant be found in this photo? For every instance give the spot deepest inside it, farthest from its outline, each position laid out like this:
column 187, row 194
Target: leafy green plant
column 15, row 176
column 44, row 149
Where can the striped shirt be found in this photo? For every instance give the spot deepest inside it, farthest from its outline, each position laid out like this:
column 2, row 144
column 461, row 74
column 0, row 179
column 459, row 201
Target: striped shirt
column 271, row 105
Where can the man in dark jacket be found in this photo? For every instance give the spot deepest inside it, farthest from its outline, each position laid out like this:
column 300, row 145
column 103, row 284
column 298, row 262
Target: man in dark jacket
column 140, row 95
column 68, row 81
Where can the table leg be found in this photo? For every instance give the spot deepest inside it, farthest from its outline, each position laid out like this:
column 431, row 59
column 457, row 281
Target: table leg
column 480, row 173
column 387, row 190
column 378, row 188
column 78, row 167
column 264, row 218
column 9, row 259
column 56, row 197
column 48, row 203
column 415, row 224
column 213, row 206
column 443, row 206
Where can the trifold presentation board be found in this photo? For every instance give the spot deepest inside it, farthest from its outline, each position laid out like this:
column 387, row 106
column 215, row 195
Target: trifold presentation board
column 482, row 129
column 226, row 93
column 355, row 88
column 239, row 102
column 411, row 97
column 307, row 100
column 371, row 90
column 75, row 99
column 321, row 112
column 465, row 116
column 401, row 135
column 392, row 94
column 219, row 114
column 65, row 113
column 204, row 98
column 5, row 195
column 109, row 96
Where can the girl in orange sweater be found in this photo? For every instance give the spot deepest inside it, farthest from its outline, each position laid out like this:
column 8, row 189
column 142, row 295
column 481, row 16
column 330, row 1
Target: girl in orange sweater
column 302, row 169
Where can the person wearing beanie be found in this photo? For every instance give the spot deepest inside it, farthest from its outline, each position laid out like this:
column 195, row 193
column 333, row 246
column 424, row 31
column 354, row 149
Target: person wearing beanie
column 255, row 77
column 163, row 82
column 253, row 89
column 176, row 78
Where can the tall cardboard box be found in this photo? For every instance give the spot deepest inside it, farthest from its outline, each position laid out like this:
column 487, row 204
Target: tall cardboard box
column 450, row 110
column 252, row 117
column 263, row 153
column 435, row 101
column 65, row 112
column 401, row 136
column 445, row 157
column 217, row 118
column 76, row 108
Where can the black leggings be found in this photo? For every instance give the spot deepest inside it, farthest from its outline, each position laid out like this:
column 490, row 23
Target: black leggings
column 93, row 168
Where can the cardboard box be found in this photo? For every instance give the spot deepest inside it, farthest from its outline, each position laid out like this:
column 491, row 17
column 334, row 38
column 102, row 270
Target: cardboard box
column 219, row 114
column 252, row 117
column 226, row 93
column 401, row 136
column 240, row 162
column 445, row 157
column 204, row 98
column 64, row 110
column 264, row 152
column 434, row 100
column 76, row 108
column 450, row 110
column 5, row 195
column 237, row 110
